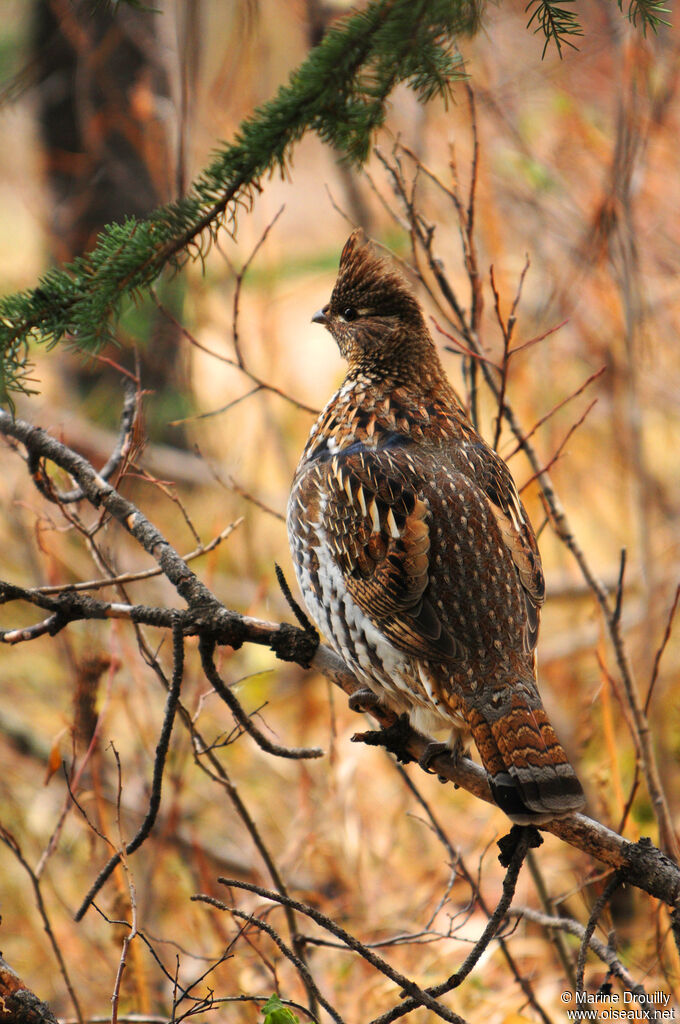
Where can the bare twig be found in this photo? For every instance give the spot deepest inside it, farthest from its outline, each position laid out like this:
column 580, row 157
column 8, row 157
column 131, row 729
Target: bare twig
column 276, row 938
column 10, row 842
column 558, row 451
column 560, row 405
column 115, row 462
column 238, row 364
column 136, row 577
column 619, row 587
column 549, row 907
column 351, row 942
column 661, row 649
column 600, row 904
column 507, row 329
column 159, row 766
column 206, row 646
column 571, row 927
column 586, row 942
column 127, row 940
column 519, row 841
column 239, row 284
column 209, row 763
column 459, row 865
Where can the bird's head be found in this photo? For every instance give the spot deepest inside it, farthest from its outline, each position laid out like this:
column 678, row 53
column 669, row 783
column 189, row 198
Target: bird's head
column 374, row 317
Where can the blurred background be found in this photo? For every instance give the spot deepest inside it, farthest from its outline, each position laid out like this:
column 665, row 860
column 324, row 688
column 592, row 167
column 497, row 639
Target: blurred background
column 104, row 115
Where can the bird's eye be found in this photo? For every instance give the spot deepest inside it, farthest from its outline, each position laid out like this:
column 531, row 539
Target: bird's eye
column 350, row 313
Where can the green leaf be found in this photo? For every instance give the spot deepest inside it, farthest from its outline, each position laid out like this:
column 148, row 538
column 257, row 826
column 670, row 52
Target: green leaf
column 276, row 1013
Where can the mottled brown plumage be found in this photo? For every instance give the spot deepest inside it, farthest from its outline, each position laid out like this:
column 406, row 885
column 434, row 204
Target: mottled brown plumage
column 413, row 551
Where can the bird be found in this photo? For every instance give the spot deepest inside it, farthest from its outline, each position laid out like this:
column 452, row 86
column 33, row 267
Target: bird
column 413, row 551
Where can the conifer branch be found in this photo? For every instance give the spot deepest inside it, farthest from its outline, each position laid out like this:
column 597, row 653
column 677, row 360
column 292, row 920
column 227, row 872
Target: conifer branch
column 557, row 23
column 339, row 92
column 647, row 14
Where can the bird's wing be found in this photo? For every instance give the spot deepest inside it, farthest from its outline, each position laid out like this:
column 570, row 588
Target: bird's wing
column 492, row 476
column 373, row 525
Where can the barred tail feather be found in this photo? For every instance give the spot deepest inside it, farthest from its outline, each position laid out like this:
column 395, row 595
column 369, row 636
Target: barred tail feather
column 530, row 775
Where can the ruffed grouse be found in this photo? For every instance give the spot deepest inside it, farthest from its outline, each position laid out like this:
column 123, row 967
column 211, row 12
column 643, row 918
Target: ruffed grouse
column 413, row 551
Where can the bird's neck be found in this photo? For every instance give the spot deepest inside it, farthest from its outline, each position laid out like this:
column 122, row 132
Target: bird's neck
column 410, row 362
column 373, row 409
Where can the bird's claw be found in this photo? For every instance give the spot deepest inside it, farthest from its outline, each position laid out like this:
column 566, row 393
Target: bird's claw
column 431, row 751
column 434, row 749
column 363, row 700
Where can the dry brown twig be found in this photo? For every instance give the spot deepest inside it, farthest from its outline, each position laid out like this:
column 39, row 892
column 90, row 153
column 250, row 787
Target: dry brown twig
column 11, row 843
column 459, row 866
column 260, row 385
column 147, row 574
column 571, row 927
column 421, row 996
column 239, row 362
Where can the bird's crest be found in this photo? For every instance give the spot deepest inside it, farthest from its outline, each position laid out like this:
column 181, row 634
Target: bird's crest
column 367, row 279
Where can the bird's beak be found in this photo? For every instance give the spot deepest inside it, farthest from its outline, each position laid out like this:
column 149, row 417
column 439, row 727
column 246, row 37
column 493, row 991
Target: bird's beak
column 321, row 316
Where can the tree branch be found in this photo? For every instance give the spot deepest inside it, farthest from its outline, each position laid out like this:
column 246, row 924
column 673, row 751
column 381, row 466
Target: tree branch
column 18, row 1004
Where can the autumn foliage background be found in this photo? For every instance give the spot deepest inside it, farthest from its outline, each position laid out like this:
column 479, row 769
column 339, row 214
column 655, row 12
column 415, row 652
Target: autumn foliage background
column 577, row 172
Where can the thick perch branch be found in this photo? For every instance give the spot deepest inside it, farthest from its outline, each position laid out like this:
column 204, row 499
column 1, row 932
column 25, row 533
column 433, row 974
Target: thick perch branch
column 641, row 864
column 17, row 1003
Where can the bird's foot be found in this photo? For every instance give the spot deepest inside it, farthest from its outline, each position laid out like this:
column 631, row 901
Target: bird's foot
column 519, row 840
column 394, row 738
column 433, row 750
column 363, row 700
